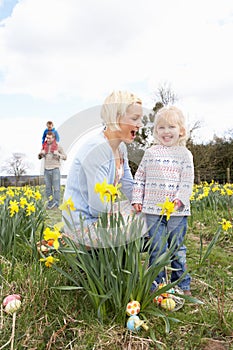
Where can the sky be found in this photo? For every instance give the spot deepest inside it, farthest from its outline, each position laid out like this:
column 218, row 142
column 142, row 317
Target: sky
column 61, row 57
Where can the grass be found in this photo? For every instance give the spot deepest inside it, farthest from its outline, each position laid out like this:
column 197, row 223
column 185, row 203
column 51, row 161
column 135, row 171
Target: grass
column 50, row 318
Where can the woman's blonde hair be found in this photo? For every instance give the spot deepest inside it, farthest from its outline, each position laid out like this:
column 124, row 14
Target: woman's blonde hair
column 115, row 106
column 171, row 114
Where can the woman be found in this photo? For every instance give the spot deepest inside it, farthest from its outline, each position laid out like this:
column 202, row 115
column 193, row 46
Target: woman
column 102, row 158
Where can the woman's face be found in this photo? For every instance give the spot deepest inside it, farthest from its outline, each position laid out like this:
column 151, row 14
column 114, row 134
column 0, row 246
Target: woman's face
column 130, row 123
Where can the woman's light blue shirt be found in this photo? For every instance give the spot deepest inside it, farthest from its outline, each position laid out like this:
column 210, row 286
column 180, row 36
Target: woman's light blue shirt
column 94, row 162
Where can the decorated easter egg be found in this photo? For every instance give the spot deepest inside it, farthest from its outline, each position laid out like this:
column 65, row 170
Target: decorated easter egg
column 10, row 297
column 134, row 323
column 12, row 303
column 158, row 299
column 133, row 308
column 168, row 304
column 12, row 306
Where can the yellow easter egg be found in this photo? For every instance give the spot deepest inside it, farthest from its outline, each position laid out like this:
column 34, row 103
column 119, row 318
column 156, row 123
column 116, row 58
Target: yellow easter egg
column 168, row 304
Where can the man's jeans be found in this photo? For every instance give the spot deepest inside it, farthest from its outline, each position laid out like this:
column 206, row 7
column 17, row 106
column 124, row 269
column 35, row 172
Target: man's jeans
column 52, row 184
column 173, row 231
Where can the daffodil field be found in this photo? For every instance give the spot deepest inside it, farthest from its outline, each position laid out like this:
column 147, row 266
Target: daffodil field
column 22, row 215
column 57, row 295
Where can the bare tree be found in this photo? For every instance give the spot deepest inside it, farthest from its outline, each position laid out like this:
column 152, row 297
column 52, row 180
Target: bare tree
column 16, row 165
column 195, row 126
column 165, row 94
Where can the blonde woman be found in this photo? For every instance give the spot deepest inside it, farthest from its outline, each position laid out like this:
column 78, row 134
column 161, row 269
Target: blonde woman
column 166, row 172
column 103, row 157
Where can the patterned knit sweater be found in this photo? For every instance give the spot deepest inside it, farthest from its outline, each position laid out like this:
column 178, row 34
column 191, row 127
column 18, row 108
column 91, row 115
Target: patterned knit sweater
column 164, row 172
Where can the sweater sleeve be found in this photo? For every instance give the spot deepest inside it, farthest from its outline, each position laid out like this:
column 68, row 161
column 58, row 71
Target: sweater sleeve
column 57, row 137
column 44, row 136
column 139, row 182
column 62, row 154
column 186, row 179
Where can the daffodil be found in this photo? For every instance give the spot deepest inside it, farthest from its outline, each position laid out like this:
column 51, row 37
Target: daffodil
column 14, row 207
column 30, row 209
column 108, row 192
column 2, row 199
column 23, row 202
column 226, row 224
column 52, row 237
column 67, row 205
column 28, row 192
column 229, row 192
column 10, row 192
column 49, row 260
column 37, row 195
column 167, row 208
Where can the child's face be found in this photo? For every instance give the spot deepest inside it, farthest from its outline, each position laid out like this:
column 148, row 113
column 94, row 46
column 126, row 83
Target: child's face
column 50, row 126
column 168, row 132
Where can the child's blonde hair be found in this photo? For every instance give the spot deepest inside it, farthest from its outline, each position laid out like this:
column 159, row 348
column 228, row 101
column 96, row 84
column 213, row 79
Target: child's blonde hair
column 171, row 114
column 115, row 106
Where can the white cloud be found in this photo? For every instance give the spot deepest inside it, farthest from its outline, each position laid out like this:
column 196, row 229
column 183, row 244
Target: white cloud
column 73, row 50
column 21, row 137
column 87, row 48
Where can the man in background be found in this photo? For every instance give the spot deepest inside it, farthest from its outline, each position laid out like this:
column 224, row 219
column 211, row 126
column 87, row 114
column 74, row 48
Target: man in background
column 53, row 154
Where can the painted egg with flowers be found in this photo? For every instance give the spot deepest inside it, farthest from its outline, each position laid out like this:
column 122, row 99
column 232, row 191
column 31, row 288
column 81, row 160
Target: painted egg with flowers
column 133, row 308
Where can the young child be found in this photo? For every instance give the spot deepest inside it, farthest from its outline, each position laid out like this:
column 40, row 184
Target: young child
column 166, row 171
column 50, row 127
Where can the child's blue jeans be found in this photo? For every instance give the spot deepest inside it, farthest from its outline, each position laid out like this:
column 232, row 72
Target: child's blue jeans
column 174, row 229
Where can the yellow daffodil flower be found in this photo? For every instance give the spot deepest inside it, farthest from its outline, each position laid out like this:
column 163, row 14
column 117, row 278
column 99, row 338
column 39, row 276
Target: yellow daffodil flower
column 108, row 192
column 52, row 237
column 167, row 208
column 23, row 202
column 37, row 195
column 2, row 199
column 14, row 207
column 10, row 192
column 49, row 260
column 30, row 209
column 229, row 192
column 28, row 192
column 226, row 224
column 68, row 205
